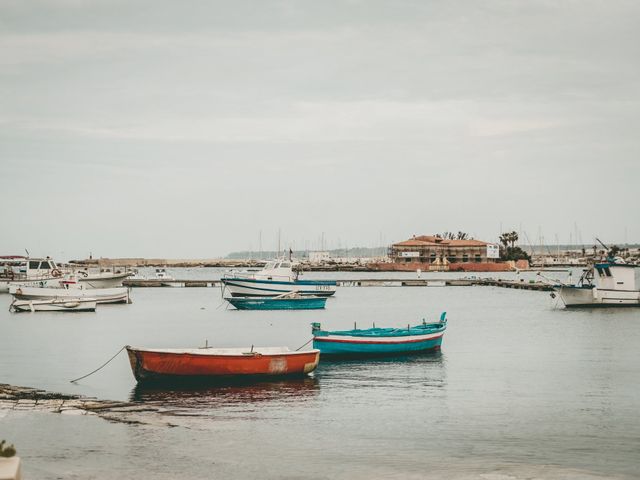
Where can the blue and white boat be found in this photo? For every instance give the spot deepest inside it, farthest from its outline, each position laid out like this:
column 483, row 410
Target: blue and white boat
column 276, row 278
column 608, row 284
column 380, row 341
column 284, row 302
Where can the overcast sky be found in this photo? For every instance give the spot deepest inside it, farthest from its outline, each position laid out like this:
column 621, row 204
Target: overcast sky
column 184, row 129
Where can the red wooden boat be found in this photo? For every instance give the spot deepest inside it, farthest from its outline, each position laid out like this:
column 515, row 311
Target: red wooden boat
column 219, row 363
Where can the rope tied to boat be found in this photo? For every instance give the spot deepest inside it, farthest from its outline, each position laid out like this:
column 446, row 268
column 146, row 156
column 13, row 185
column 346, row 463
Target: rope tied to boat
column 302, row 346
column 550, row 281
column 100, row 367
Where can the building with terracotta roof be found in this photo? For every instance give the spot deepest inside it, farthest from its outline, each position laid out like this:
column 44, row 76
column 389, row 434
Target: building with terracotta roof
column 435, row 250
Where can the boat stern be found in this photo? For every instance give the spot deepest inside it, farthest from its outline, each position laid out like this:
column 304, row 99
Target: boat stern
column 311, row 366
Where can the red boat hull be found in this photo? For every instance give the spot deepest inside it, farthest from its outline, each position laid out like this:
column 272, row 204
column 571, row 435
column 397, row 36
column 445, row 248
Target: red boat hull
column 154, row 365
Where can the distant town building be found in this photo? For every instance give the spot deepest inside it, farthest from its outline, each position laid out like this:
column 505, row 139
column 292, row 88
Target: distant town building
column 436, row 250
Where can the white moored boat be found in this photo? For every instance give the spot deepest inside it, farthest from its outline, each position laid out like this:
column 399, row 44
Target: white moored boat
column 40, row 271
column 101, row 295
column 102, row 279
column 276, row 278
column 608, row 284
column 55, row 305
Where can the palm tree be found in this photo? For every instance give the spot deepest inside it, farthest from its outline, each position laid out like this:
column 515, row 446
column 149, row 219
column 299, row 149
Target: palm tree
column 509, row 239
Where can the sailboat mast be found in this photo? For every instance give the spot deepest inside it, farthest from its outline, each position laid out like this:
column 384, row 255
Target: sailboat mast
column 279, row 234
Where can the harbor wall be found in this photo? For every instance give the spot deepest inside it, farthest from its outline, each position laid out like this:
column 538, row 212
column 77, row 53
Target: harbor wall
column 106, row 263
column 451, row 267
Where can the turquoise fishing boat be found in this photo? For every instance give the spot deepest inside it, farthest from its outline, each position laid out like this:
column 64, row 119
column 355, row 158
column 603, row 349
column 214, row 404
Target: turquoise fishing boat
column 278, row 303
column 380, row 341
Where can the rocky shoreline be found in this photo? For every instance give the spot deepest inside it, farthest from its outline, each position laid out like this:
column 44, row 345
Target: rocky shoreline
column 14, row 398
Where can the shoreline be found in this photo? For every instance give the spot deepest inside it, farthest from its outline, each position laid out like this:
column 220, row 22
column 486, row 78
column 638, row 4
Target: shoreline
column 18, row 398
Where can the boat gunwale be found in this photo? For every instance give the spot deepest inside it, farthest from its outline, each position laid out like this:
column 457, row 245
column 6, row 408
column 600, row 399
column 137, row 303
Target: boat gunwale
column 380, row 341
column 331, row 283
column 115, row 276
column 206, row 352
column 613, row 264
column 636, row 304
column 276, row 299
column 54, row 300
column 383, row 332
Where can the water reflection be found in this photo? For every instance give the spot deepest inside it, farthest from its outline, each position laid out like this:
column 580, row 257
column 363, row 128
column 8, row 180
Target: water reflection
column 410, row 358
column 424, row 369
column 226, row 393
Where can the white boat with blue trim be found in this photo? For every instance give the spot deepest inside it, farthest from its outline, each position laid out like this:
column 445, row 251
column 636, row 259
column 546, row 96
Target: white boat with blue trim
column 608, row 284
column 277, row 277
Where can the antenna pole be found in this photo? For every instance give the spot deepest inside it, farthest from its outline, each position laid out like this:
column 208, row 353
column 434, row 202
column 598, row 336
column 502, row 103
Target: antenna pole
column 600, row 242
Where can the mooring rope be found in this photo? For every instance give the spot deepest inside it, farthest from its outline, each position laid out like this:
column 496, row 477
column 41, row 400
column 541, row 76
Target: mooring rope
column 100, row 367
column 310, row 340
column 551, row 281
column 223, row 287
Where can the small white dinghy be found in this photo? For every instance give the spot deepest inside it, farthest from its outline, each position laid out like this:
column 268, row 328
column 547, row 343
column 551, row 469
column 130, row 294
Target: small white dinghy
column 55, row 305
column 73, row 292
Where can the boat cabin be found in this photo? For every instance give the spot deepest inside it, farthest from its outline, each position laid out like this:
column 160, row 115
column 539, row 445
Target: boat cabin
column 40, row 267
column 36, row 268
column 615, row 276
column 277, row 270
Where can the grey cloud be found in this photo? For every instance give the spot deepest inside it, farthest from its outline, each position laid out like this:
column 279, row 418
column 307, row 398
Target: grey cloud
column 210, row 121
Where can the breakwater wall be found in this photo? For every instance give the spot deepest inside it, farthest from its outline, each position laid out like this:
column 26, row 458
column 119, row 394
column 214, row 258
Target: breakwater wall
column 377, row 282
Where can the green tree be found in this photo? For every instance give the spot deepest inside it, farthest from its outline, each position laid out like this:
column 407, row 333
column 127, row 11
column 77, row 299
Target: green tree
column 508, row 248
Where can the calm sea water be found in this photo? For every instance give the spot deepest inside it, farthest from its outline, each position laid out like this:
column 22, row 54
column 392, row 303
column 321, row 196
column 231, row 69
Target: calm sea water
column 521, row 389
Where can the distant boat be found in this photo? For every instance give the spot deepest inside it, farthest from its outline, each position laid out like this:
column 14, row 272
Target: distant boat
column 380, row 341
column 175, row 364
column 101, row 295
column 55, row 305
column 287, row 301
column 276, row 278
column 167, row 280
column 44, row 272
column 608, row 284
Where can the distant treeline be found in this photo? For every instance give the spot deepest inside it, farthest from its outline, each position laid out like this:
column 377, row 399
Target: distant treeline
column 359, row 252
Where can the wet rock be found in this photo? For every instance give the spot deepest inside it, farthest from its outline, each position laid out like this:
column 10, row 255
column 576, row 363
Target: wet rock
column 72, row 411
column 25, row 399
